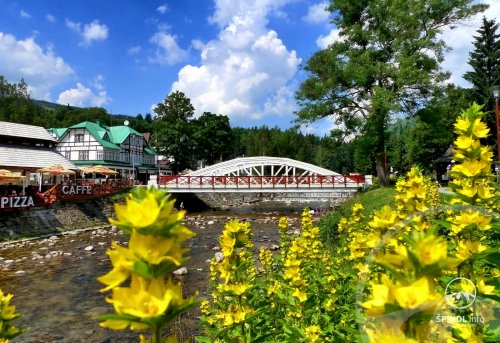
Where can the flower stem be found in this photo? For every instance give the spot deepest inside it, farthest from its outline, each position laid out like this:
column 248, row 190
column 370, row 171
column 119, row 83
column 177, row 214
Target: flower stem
column 155, row 337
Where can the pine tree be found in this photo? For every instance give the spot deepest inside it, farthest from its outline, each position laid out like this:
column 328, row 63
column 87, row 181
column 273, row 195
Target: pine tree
column 485, row 63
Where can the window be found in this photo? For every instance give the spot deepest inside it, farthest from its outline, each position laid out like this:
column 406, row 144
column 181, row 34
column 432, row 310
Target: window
column 99, row 155
column 83, row 155
column 67, row 155
column 79, row 137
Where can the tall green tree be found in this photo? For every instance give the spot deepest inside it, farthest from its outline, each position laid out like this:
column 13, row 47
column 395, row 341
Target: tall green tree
column 387, row 61
column 485, row 63
column 213, row 137
column 15, row 102
column 173, row 130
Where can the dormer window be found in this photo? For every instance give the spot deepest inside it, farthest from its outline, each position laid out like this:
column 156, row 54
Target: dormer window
column 79, row 137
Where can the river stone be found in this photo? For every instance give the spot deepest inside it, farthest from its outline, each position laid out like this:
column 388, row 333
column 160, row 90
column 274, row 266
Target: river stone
column 219, row 257
column 89, row 248
column 215, row 248
column 181, row 271
column 20, row 272
column 274, row 247
column 210, row 222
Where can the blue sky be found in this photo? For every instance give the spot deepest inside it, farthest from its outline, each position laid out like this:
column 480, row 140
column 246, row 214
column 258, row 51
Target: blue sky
column 241, row 58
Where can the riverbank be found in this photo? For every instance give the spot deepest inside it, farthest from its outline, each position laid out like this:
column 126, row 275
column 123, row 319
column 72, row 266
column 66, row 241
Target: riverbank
column 62, row 217
column 54, row 278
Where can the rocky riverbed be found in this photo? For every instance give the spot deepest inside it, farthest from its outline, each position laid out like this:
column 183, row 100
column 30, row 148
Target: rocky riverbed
column 53, row 279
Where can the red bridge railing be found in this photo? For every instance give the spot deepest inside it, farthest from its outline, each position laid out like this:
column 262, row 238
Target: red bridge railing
column 237, row 182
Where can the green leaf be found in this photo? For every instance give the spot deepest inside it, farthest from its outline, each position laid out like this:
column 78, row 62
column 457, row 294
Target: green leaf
column 143, row 269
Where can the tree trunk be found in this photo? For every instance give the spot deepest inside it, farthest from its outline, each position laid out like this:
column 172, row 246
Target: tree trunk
column 380, row 167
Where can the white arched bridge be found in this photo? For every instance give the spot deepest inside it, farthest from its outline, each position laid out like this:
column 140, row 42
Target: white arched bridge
column 262, row 175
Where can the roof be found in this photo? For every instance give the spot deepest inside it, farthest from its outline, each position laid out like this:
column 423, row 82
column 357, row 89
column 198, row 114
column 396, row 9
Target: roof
column 21, row 157
column 100, row 132
column 108, row 136
column 150, row 151
column 59, row 132
column 120, row 133
column 25, row 131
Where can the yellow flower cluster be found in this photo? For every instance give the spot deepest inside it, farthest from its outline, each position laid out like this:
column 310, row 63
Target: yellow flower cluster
column 151, row 299
column 229, row 305
column 312, row 334
column 290, row 299
column 472, row 179
column 266, row 259
column 416, row 193
column 7, row 314
column 416, row 257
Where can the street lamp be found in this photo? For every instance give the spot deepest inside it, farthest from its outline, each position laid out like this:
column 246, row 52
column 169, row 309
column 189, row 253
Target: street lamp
column 496, row 95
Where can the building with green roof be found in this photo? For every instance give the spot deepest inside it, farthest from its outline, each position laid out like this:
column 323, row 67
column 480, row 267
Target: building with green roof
column 118, row 147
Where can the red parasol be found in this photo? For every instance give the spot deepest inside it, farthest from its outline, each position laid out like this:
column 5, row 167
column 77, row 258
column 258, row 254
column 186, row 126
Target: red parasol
column 99, row 169
column 56, row 169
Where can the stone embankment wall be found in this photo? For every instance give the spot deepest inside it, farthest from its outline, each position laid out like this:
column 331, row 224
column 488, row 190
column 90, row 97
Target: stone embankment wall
column 36, row 222
column 227, row 200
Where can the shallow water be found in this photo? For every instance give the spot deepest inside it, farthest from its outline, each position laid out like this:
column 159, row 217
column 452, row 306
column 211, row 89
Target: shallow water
column 58, row 296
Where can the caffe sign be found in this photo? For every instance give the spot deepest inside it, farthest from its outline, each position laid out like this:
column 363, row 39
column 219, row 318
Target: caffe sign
column 14, row 202
column 78, row 189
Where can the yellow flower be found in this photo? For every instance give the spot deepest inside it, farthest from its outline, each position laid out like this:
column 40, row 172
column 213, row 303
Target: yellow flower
column 483, row 288
column 233, row 315
column 312, row 334
column 467, row 248
column 383, row 219
column 419, row 293
column 145, row 299
column 362, row 268
column 430, row 250
column 123, row 261
column 205, row 307
column 156, row 249
column 381, row 295
column 462, row 125
column 471, row 167
column 474, row 218
column 236, row 288
column 302, row 296
column 466, row 286
column 138, row 214
column 466, row 143
column 479, row 129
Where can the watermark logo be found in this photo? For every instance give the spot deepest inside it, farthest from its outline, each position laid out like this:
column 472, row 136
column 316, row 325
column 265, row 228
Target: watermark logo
column 463, row 298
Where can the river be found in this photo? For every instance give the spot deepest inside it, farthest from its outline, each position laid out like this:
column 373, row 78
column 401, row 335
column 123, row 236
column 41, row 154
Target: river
column 54, row 279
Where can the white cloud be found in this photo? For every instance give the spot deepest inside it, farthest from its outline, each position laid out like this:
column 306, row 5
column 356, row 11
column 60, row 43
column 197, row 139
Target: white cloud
column 42, row 70
column 246, row 72
column 24, row 14
column 168, row 51
column 82, row 96
column 90, row 32
column 134, row 50
column 162, row 9
column 317, row 13
column 460, row 40
column 226, row 10
column 50, row 18
column 98, row 82
column 324, row 41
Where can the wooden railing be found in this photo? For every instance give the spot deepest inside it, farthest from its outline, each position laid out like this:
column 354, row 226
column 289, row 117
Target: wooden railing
column 315, row 181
